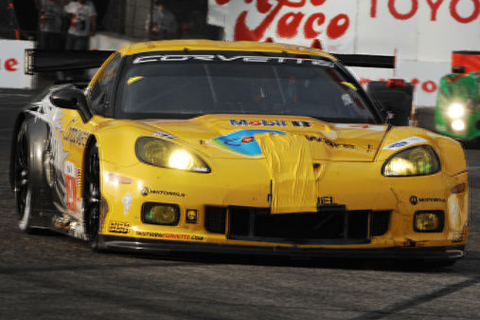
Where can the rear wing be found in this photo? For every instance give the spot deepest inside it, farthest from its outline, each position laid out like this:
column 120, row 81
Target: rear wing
column 366, row 60
column 38, row 60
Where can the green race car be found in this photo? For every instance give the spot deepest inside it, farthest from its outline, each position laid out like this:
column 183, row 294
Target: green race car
column 457, row 111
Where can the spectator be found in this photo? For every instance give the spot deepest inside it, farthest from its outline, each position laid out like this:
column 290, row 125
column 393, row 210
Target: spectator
column 83, row 23
column 163, row 25
column 51, row 24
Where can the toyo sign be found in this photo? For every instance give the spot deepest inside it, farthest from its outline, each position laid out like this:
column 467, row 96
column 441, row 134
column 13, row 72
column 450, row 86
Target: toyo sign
column 422, row 33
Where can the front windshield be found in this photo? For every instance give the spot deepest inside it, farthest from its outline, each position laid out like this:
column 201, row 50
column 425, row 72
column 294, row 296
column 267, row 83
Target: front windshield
column 155, row 88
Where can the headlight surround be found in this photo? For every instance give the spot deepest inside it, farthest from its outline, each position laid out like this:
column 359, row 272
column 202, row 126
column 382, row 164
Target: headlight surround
column 165, row 154
column 416, row 161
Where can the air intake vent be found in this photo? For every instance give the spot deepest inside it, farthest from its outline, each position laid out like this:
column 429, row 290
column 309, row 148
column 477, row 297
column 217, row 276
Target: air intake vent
column 215, row 219
column 380, row 223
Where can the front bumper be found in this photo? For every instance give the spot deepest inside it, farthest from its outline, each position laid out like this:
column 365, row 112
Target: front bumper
column 114, row 243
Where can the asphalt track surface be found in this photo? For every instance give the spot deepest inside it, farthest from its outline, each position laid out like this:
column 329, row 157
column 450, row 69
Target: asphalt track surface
column 50, row 276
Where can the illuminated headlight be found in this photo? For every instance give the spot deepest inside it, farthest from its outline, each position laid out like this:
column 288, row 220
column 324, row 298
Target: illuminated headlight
column 166, row 154
column 429, row 221
column 456, row 110
column 458, row 125
column 160, row 213
column 416, row 161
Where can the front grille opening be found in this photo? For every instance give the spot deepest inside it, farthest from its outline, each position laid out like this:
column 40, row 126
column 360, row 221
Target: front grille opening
column 257, row 224
column 330, row 227
column 380, row 223
column 215, row 219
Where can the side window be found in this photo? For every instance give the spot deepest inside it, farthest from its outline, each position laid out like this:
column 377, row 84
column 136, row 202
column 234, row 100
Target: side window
column 102, row 91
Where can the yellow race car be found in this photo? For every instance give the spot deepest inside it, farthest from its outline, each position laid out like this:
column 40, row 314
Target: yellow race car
column 236, row 147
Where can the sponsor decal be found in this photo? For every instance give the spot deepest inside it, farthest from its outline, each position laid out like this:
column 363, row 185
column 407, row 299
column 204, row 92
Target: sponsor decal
column 270, row 123
column 76, row 136
column 173, row 236
column 360, row 126
column 257, row 123
column 241, row 142
column 127, row 202
column 119, row 227
column 326, row 201
column 301, row 124
column 404, row 143
column 191, row 216
column 329, row 142
column 146, row 191
column 72, row 175
column 414, row 200
column 223, row 58
column 163, row 135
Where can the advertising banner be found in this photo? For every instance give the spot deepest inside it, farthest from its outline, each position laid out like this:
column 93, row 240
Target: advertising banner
column 12, row 64
column 423, row 30
column 288, row 21
column 422, row 33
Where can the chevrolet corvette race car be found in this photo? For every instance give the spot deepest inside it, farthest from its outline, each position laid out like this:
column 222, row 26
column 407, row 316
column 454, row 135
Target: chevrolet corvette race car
column 236, row 147
column 457, row 111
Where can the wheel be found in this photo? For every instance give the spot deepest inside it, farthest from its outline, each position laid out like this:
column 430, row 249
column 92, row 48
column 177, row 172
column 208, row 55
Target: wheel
column 22, row 184
column 92, row 196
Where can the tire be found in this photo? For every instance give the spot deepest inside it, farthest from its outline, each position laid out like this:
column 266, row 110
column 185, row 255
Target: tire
column 22, row 172
column 92, row 197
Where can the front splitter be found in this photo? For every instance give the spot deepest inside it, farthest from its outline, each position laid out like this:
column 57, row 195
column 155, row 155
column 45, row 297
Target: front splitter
column 158, row 246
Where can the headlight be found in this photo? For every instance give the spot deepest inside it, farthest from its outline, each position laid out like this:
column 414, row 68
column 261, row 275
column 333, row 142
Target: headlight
column 425, row 221
column 416, row 161
column 166, row 154
column 456, row 110
column 458, row 125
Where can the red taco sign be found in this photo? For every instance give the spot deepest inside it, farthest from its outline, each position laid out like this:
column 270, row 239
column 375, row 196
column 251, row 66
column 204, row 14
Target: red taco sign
column 292, row 21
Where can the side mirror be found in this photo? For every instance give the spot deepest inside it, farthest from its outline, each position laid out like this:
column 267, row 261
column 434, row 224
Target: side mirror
column 74, row 99
column 396, row 97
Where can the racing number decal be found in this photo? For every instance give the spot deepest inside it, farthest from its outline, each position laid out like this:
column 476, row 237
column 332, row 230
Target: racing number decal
column 71, row 185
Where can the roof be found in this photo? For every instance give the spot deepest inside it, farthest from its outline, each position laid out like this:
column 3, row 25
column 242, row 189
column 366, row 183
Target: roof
column 210, row 45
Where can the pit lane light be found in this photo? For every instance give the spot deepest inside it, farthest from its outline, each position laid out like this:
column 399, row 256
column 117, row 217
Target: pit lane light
column 166, row 154
column 416, row 161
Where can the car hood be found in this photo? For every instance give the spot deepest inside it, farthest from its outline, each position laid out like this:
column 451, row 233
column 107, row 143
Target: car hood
column 233, row 136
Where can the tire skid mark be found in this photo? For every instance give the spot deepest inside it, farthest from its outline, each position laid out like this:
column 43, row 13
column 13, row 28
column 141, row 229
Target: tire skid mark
column 418, row 300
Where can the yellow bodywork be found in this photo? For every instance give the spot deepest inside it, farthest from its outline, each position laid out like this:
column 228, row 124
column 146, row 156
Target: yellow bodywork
column 338, row 162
